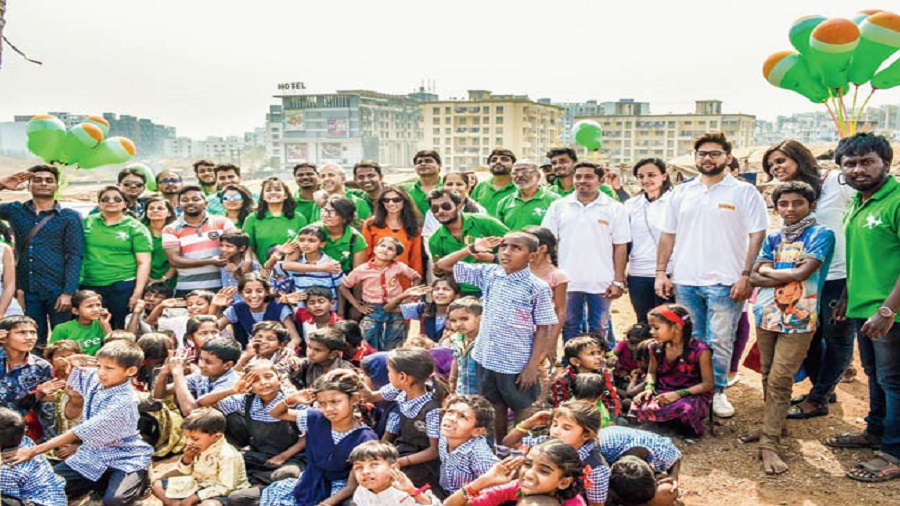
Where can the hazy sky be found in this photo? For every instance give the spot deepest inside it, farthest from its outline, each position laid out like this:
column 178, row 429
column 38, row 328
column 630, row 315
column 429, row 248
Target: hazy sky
column 211, row 67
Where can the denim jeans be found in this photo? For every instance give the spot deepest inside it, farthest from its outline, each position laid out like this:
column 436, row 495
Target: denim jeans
column 715, row 317
column 597, row 313
column 881, row 361
column 41, row 309
column 384, row 331
column 643, row 296
column 115, row 300
column 118, row 487
column 832, row 347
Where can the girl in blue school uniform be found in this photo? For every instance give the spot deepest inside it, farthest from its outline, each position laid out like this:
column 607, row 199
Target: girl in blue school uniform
column 332, row 432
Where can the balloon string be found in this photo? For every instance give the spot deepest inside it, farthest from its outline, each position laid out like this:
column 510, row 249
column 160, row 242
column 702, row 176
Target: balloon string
column 837, row 111
column 844, row 114
column 862, row 108
column 833, row 118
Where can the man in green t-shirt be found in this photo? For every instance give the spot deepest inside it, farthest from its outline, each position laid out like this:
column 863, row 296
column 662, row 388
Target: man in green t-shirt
column 459, row 229
column 563, row 162
column 428, row 177
column 367, row 175
column 872, row 297
column 205, row 171
column 489, row 193
column 529, row 204
column 332, row 179
column 307, row 178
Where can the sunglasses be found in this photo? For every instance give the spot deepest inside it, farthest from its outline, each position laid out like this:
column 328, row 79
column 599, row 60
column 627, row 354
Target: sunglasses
column 232, row 198
column 393, row 200
column 169, row 181
column 117, row 200
column 133, row 184
column 446, row 206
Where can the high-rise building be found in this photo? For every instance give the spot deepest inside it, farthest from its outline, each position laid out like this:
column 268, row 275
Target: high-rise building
column 465, row 131
column 344, row 127
column 629, row 134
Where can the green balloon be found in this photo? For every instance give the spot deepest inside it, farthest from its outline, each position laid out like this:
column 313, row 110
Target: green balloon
column 79, row 139
column 46, row 135
column 790, row 71
column 802, row 29
column 831, row 47
column 887, row 78
column 877, row 42
column 109, row 152
column 589, row 134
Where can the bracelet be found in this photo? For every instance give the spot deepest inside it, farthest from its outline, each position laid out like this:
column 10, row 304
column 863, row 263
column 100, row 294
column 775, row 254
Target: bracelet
column 285, row 401
column 469, row 492
column 745, row 273
column 521, row 429
column 417, row 492
column 684, row 392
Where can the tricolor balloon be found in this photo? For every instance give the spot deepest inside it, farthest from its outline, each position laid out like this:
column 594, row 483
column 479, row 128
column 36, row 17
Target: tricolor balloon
column 831, row 47
column 109, row 152
column 789, row 70
column 46, row 135
column 82, row 144
column 801, row 31
column 79, row 139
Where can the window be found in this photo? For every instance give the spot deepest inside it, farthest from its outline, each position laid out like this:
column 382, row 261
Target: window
column 499, row 109
column 435, row 110
column 486, row 119
column 448, row 141
column 447, row 120
column 487, row 109
column 446, row 110
column 500, row 120
column 436, row 131
column 462, row 121
column 499, row 141
column 436, row 120
column 498, row 130
column 436, row 141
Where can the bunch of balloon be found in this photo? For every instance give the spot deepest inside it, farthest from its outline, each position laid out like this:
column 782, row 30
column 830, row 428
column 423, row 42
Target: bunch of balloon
column 833, row 54
column 84, row 146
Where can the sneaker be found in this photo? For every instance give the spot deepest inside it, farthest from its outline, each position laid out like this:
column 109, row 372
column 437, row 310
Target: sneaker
column 721, row 407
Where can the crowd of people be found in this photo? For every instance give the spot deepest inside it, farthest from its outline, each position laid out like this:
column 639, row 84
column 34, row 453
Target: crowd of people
column 441, row 341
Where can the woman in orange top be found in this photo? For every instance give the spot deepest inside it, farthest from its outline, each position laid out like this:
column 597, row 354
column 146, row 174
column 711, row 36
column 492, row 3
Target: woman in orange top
column 396, row 216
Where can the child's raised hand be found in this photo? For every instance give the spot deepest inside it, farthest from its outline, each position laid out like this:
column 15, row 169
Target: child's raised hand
column 50, row 387
column 79, row 361
column 292, row 298
column 139, row 306
column 417, row 291
column 287, row 248
column 539, row 419
column 402, row 482
column 503, row 471
column 486, row 244
column 245, row 382
column 176, row 362
column 173, row 303
column 305, row 397
column 225, row 296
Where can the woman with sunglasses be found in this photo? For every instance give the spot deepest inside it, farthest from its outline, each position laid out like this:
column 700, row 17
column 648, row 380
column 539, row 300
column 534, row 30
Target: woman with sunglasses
column 117, row 255
column 461, row 184
column 832, row 345
column 396, row 216
column 238, row 203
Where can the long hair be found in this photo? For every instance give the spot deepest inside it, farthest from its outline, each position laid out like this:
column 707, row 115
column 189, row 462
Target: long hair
column 686, row 331
column 661, row 165
column 418, row 364
column 545, row 238
column 288, row 205
column 807, row 167
column 246, row 205
column 409, row 215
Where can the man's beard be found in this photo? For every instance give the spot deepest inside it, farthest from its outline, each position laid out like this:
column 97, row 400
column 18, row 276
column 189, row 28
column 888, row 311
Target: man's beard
column 715, row 171
column 499, row 171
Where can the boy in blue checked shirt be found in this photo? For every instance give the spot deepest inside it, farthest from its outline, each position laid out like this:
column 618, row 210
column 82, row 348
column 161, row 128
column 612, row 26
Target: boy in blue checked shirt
column 658, row 451
column 33, row 482
column 112, row 457
column 463, row 448
column 217, row 360
column 515, row 328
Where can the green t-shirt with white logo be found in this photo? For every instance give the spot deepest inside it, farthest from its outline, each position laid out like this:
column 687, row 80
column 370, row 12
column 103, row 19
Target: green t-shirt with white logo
column 343, row 249
column 271, row 231
column 109, row 249
column 485, row 194
column 517, row 214
column 90, row 337
column 872, row 235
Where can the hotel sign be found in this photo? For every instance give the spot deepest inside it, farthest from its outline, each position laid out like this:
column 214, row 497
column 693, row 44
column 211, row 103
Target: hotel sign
column 291, row 87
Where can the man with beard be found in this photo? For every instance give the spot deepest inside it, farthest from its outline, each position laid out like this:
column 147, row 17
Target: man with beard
column 169, row 183
column 459, row 229
column 367, row 174
column 489, row 193
column 307, row 178
column 205, row 171
column 528, row 205
column 563, row 162
column 428, row 172
column 549, row 173
column 192, row 243
column 593, row 234
column 718, row 224
column 872, row 297
column 49, row 247
column 332, row 179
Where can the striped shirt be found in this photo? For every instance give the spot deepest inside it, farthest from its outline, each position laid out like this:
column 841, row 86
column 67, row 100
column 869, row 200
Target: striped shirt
column 662, row 454
column 467, row 462
column 197, row 242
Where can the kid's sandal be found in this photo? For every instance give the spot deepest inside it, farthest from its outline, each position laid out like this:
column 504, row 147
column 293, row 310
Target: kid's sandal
column 884, row 468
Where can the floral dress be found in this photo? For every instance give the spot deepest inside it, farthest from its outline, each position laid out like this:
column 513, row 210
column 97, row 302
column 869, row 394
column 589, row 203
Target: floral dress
column 683, row 372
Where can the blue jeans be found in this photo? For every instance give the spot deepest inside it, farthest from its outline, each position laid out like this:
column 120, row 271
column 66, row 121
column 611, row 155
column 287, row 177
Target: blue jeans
column 115, row 300
column 715, row 318
column 581, row 305
column 881, row 360
column 832, row 347
column 643, row 296
column 384, row 331
column 40, row 309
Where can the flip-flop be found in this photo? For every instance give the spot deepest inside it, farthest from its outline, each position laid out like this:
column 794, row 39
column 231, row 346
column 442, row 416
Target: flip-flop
column 872, row 473
column 795, row 413
column 847, row 440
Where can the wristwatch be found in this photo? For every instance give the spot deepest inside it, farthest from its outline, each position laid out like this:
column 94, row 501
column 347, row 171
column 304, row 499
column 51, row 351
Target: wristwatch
column 619, row 284
column 886, row 312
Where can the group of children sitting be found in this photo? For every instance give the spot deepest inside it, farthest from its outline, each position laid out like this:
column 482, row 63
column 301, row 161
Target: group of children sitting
column 272, row 398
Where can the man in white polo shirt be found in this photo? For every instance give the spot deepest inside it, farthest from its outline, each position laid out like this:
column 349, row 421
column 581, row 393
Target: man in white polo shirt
column 719, row 224
column 593, row 234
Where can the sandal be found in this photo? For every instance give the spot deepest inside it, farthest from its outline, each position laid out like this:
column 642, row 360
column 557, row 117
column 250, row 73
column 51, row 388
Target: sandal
column 796, row 412
column 884, row 468
column 849, row 375
column 852, row 440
